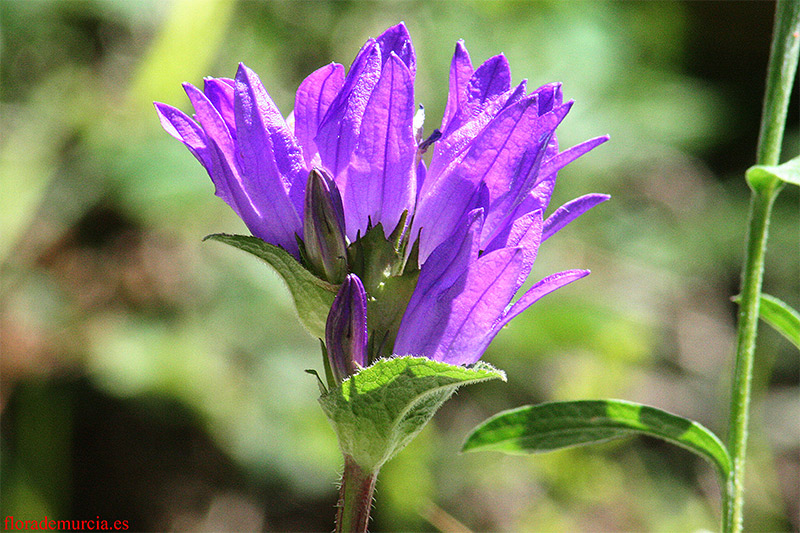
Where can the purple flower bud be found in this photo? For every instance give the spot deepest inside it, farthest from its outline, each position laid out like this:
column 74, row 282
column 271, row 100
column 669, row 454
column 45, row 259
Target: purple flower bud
column 346, row 329
column 323, row 227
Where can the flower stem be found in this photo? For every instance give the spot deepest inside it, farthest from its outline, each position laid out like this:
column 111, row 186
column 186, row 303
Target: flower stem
column 355, row 498
column 760, row 209
column 780, row 78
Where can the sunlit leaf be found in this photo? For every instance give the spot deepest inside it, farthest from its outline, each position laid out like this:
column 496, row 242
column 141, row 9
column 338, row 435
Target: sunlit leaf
column 556, row 425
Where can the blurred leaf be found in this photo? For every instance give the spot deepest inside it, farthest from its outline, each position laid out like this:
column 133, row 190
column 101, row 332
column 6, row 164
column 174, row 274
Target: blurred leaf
column 788, row 172
column 188, row 41
column 379, row 410
column 556, row 425
column 312, row 296
column 35, row 138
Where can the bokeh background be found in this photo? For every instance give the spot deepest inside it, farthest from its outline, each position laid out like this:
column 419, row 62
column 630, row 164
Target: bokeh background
column 150, row 377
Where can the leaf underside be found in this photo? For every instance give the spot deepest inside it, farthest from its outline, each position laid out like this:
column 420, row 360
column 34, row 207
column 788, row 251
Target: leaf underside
column 556, row 425
column 782, row 317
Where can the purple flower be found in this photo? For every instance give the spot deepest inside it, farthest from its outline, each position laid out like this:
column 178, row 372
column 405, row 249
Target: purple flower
column 442, row 251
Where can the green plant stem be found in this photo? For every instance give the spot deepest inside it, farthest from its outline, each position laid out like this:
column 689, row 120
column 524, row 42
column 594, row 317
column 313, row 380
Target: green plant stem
column 780, row 78
column 760, row 209
column 355, row 498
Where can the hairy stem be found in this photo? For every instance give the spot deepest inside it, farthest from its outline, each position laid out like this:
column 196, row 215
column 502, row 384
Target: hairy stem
column 355, row 498
column 780, row 78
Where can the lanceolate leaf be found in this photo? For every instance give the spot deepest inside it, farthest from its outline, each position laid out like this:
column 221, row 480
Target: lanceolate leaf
column 782, row 317
column 788, row 172
column 313, row 297
column 556, row 425
column 377, row 411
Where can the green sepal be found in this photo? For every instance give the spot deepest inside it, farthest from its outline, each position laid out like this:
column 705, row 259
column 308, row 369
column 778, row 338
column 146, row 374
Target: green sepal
column 556, row 425
column 759, row 176
column 326, row 364
column 312, row 296
column 373, row 257
column 379, row 410
column 322, row 388
column 389, row 279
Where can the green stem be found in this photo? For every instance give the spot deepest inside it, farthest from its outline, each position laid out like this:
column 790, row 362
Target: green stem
column 780, row 78
column 760, row 209
column 355, row 498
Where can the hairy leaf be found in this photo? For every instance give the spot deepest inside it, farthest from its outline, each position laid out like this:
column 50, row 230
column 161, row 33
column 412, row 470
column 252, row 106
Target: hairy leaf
column 379, row 410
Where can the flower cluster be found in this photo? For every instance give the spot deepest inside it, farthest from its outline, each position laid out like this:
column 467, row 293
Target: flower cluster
column 429, row 258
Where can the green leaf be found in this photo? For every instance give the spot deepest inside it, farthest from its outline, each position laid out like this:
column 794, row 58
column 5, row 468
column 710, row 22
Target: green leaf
column 782, row 317
column 555, row 425
column 313, row 297
column 788, row 172
column 379, row 410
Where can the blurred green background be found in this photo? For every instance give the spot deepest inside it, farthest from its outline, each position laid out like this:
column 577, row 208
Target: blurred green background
column 150, row 377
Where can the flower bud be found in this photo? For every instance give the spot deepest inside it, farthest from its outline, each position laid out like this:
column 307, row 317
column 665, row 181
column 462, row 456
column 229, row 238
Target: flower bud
column 323, row 227
column 346, row 329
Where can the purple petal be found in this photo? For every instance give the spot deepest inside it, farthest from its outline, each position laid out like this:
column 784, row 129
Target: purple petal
column 220, row 92
column 420, row 323
column 569, row 212
column 488, row 89
column 269, row 147
column 272, row 164
column 397, row 39
column 550, row 97
column 526, row 233
column 460, row 73
column 338, row 130
column 553, row 165
column 539, row 196
column 314, row 97
column 186, row 130
column 504, row 156
column 540, row 289
column 439, row 212
column 242, row 194
column 422, row 171
column 492, row 79
column 379, row 183
column 221, row 154
column 462, row 131
column 514, row 170
column 473, row 311
column 518, row 94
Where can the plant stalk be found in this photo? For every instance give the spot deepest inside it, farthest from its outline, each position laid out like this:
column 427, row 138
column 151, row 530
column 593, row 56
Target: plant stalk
column 780, row 78
column 355, row 498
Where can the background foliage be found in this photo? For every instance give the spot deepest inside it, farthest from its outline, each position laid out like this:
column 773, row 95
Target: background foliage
column 151, row 377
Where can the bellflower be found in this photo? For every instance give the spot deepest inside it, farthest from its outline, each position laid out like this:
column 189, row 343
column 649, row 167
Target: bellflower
column 443, row 249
